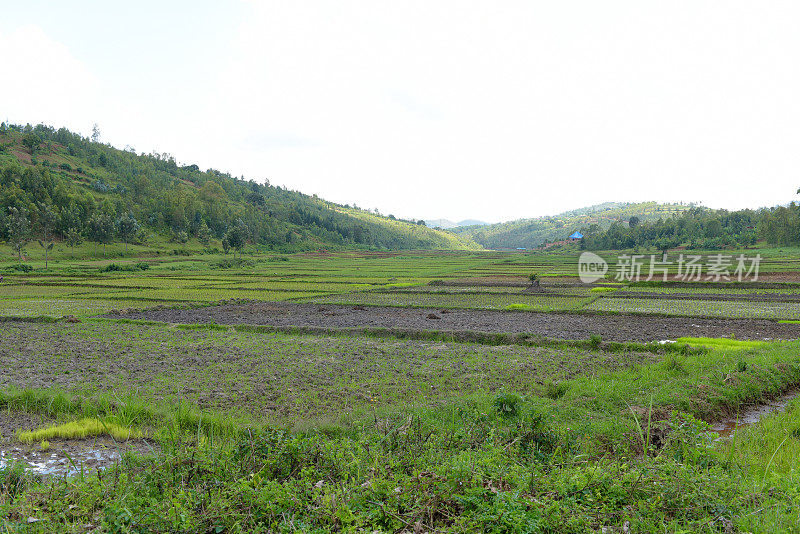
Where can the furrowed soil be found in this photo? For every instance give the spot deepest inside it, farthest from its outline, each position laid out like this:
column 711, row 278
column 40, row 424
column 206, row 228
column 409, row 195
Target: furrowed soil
column 619, row 328
column 278, row 377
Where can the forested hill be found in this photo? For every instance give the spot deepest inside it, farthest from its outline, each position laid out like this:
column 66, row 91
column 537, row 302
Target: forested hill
column 531, row 233
column 55, row 183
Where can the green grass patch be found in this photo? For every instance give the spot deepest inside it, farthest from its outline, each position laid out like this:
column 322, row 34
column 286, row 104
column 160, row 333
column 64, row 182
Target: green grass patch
column 721, row 343
column 603, row 289
column 82, row 428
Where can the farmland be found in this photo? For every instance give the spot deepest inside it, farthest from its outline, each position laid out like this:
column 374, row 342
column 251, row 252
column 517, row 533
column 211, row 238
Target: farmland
column 394, row 391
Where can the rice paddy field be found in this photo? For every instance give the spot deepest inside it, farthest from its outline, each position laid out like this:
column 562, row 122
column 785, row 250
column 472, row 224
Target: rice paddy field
column 417, row 391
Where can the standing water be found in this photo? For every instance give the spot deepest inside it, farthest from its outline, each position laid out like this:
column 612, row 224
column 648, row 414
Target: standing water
column 752, row 414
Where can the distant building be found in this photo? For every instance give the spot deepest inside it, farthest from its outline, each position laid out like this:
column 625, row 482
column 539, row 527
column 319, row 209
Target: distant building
column 577, row 236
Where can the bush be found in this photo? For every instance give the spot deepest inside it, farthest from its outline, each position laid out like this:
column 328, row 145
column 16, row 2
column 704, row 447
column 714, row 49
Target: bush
column 113, row 267
column 22, row 267
column 555, row 390
column 595, row 340
column 507, row 405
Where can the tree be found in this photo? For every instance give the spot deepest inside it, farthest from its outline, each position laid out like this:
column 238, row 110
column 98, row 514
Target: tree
column 127, row 226
column 633, row 222
column 101, row 230
column 204, row 234
column 47, row 248
column 95, row 133
column 237, row 236
column 47, row 220
column 73, row 238
column 32, row 142
column 19, row 229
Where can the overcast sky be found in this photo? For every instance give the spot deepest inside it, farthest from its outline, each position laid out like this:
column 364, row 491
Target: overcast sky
column 431, row 109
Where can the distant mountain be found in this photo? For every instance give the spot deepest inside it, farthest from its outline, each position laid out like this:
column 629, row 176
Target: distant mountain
column 531, row 233
column 448, row 224
column 58, row 183
column 471, row 222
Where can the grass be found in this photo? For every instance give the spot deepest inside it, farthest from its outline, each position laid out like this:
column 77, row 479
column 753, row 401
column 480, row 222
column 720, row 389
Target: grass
column 699, row 308
column 562, row 458
column 497, row 301
column 722, row 343
column 82, row 428
column 603, row 289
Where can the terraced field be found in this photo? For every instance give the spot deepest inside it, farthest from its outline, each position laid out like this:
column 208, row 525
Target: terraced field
column 477, row 280
column 391, row 392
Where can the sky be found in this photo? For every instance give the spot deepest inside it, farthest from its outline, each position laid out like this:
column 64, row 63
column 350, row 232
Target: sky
column 431, row 109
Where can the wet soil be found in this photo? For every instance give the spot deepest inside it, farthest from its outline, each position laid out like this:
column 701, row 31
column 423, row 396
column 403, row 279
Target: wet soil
column 63, row 457
column 753, row 414
column 550, row 325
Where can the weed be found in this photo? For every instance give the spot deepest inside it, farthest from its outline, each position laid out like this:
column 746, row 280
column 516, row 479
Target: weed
column 507, row 405
column 674, row 363
column 555, row 390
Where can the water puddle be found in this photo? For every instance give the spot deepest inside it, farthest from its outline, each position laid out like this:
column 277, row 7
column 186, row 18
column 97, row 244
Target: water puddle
column 752, row 414
column 61, row 457
column 57, row 462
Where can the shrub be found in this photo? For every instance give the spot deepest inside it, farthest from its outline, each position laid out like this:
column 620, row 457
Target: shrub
column 555, row 390
column 507, row 405
column 113, row 267
column 595, row 340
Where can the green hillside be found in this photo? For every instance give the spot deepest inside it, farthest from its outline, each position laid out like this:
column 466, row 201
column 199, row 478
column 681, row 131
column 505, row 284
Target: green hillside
column 531, row 233
column 57, row 185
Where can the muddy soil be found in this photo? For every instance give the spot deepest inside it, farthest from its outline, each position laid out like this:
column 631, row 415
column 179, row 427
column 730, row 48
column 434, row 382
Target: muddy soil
column 550, row 325
column 753, row 414
column 63, row 456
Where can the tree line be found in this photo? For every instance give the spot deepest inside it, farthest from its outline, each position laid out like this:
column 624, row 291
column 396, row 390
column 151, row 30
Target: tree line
column 700, row 228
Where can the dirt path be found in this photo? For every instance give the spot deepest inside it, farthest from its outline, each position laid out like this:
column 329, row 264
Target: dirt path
column 550, row 325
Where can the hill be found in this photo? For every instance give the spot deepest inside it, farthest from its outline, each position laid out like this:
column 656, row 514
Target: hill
column 55, row 183
column 531, row 233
